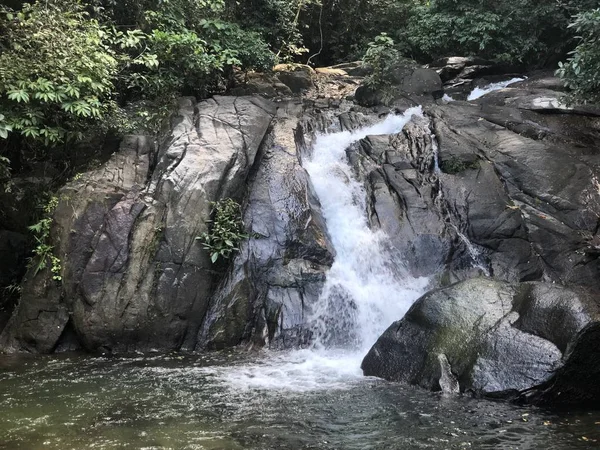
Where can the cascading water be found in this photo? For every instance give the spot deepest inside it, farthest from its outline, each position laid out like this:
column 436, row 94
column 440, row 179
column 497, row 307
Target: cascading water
column 366, row 289
column 481, row 91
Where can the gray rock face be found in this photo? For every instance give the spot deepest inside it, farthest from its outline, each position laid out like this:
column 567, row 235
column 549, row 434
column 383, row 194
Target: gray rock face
column 403, row 187
column 497, row 337
column 298, row 79
column 506, row 186
column 279, row 272
column 516, row 196
column 406, row 79
column 134, row 276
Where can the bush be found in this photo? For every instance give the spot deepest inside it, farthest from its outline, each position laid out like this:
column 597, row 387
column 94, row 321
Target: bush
column 581, row 72
column 515, row 32
column 226, row 230
column 56, row 72
column 71, row 70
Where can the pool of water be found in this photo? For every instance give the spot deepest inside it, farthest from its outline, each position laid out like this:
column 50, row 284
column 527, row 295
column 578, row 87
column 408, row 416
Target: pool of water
column 261, row 401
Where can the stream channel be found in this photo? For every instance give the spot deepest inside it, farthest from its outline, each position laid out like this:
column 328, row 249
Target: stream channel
column 312, row 398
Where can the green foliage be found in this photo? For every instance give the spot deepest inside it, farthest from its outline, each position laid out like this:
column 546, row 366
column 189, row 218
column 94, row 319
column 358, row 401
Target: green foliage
column 581, row 72
column 348, row 26
column 504, row 30
column 56, row 72
column 75, row 69
column 226, row 230
column 381, row 55
column 186, row 47
column 43, row 251
column 455, row 165
column 280, row 23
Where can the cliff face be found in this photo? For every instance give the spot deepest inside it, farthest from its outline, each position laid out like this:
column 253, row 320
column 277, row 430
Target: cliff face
column 506, row 187
column 134, row 275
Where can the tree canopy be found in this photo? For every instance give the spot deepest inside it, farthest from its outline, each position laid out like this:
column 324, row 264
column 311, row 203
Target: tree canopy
column 72, row 68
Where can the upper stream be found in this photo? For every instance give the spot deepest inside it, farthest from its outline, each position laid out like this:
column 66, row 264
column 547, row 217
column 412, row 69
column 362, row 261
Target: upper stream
column 305, row 399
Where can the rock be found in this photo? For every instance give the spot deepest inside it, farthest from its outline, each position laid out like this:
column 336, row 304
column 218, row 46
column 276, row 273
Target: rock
column 297, row 81
column 294, row 68
column 516, row 197
column 279, row 272
column 262, row 84
column 407, row 81
column 498, row 338
column 354, row 69
column 367, row 96
column 461, row 67
column 134, row 276
column 331, row 71
column 421, row 82
column 541, row 100
column 461, row 74
column 399, row 172
column 539, row 210
column 575, row 384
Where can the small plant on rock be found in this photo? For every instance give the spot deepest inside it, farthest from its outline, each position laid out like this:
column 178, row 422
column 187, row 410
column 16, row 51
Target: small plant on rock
column 226, row 230
column 43, row 252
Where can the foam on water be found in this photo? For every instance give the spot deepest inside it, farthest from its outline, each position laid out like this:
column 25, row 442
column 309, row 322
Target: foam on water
column 367, row 287
column 480, row 92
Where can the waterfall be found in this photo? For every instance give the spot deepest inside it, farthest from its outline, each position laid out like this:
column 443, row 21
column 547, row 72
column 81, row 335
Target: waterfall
column 480, row 92
column 367, row 287
column 366, row 290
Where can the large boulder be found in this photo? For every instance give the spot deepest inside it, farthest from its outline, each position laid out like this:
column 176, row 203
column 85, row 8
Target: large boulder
column 263, row 84
column 404, row 79
column 298, row 78
column 134, row 277
column 515, row 195
column 498, row 338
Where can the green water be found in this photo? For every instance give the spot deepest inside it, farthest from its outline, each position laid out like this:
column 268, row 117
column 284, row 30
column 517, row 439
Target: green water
column 227, row 401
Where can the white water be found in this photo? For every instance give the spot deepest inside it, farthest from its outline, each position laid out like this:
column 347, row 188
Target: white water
column 367, row 287
column 366, row 290
column 447, row 99
column 480, row 92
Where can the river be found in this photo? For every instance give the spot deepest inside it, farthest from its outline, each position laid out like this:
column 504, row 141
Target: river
column 314, row 398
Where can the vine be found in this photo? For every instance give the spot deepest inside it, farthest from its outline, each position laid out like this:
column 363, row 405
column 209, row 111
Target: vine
column 43, row 253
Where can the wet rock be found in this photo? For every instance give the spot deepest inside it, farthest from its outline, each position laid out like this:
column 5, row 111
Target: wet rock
column 516, row 195
column 280, row 271
column 531, row 202
column 402, row 186
column 575, row 384
column 499, row 338
column 134, row 275
column 461, row 75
